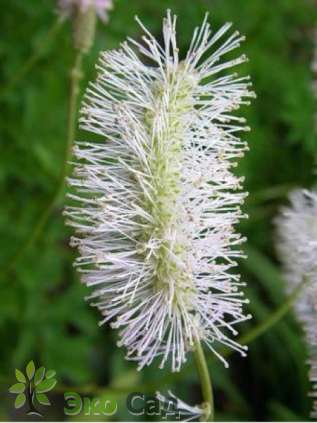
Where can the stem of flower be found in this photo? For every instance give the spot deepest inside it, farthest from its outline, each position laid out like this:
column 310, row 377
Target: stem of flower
column 206, row 386
column 34, row 57
column 275, row 317
column 271, row 193
column 75, row 77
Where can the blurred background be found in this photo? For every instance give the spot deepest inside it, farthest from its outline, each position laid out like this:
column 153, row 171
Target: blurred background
column 43, row 315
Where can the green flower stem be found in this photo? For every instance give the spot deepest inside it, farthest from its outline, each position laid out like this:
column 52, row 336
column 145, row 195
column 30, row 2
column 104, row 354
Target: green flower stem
column 274, row 318
column 34, row 57
column 269, row 194
column 206, row 386
column 75, row 77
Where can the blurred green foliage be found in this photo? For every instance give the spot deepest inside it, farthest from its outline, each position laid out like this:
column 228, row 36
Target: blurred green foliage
column 43, row 315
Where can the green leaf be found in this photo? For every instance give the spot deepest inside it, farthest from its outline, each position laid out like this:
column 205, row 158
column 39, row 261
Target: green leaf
column 20, row 376
column 46, row 385
column 42, row 399
column 17, row 388
column 50, row 374
column 19, row 401
column 39, row 375
column 30, row 370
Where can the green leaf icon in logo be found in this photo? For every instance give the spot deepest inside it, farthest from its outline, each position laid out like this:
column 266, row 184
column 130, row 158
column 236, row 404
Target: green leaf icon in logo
column 20, row 401
column 17, row 388
column 32, row 388
column 30, row 370
column 20, row 376
column 46, row 385
column 39, row 376
column 50, row 374
column 42, row 399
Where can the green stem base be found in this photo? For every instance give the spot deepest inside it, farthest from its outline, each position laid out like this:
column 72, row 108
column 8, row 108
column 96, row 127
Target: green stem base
column 206, row 386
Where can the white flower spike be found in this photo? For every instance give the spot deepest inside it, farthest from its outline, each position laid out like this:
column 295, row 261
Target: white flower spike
column 297, row 246
column 156, row 200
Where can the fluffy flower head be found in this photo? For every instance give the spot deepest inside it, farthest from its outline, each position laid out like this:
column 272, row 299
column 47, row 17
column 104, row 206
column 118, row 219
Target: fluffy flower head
column 156, row 198
column 297, row 237
column 297, row 245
